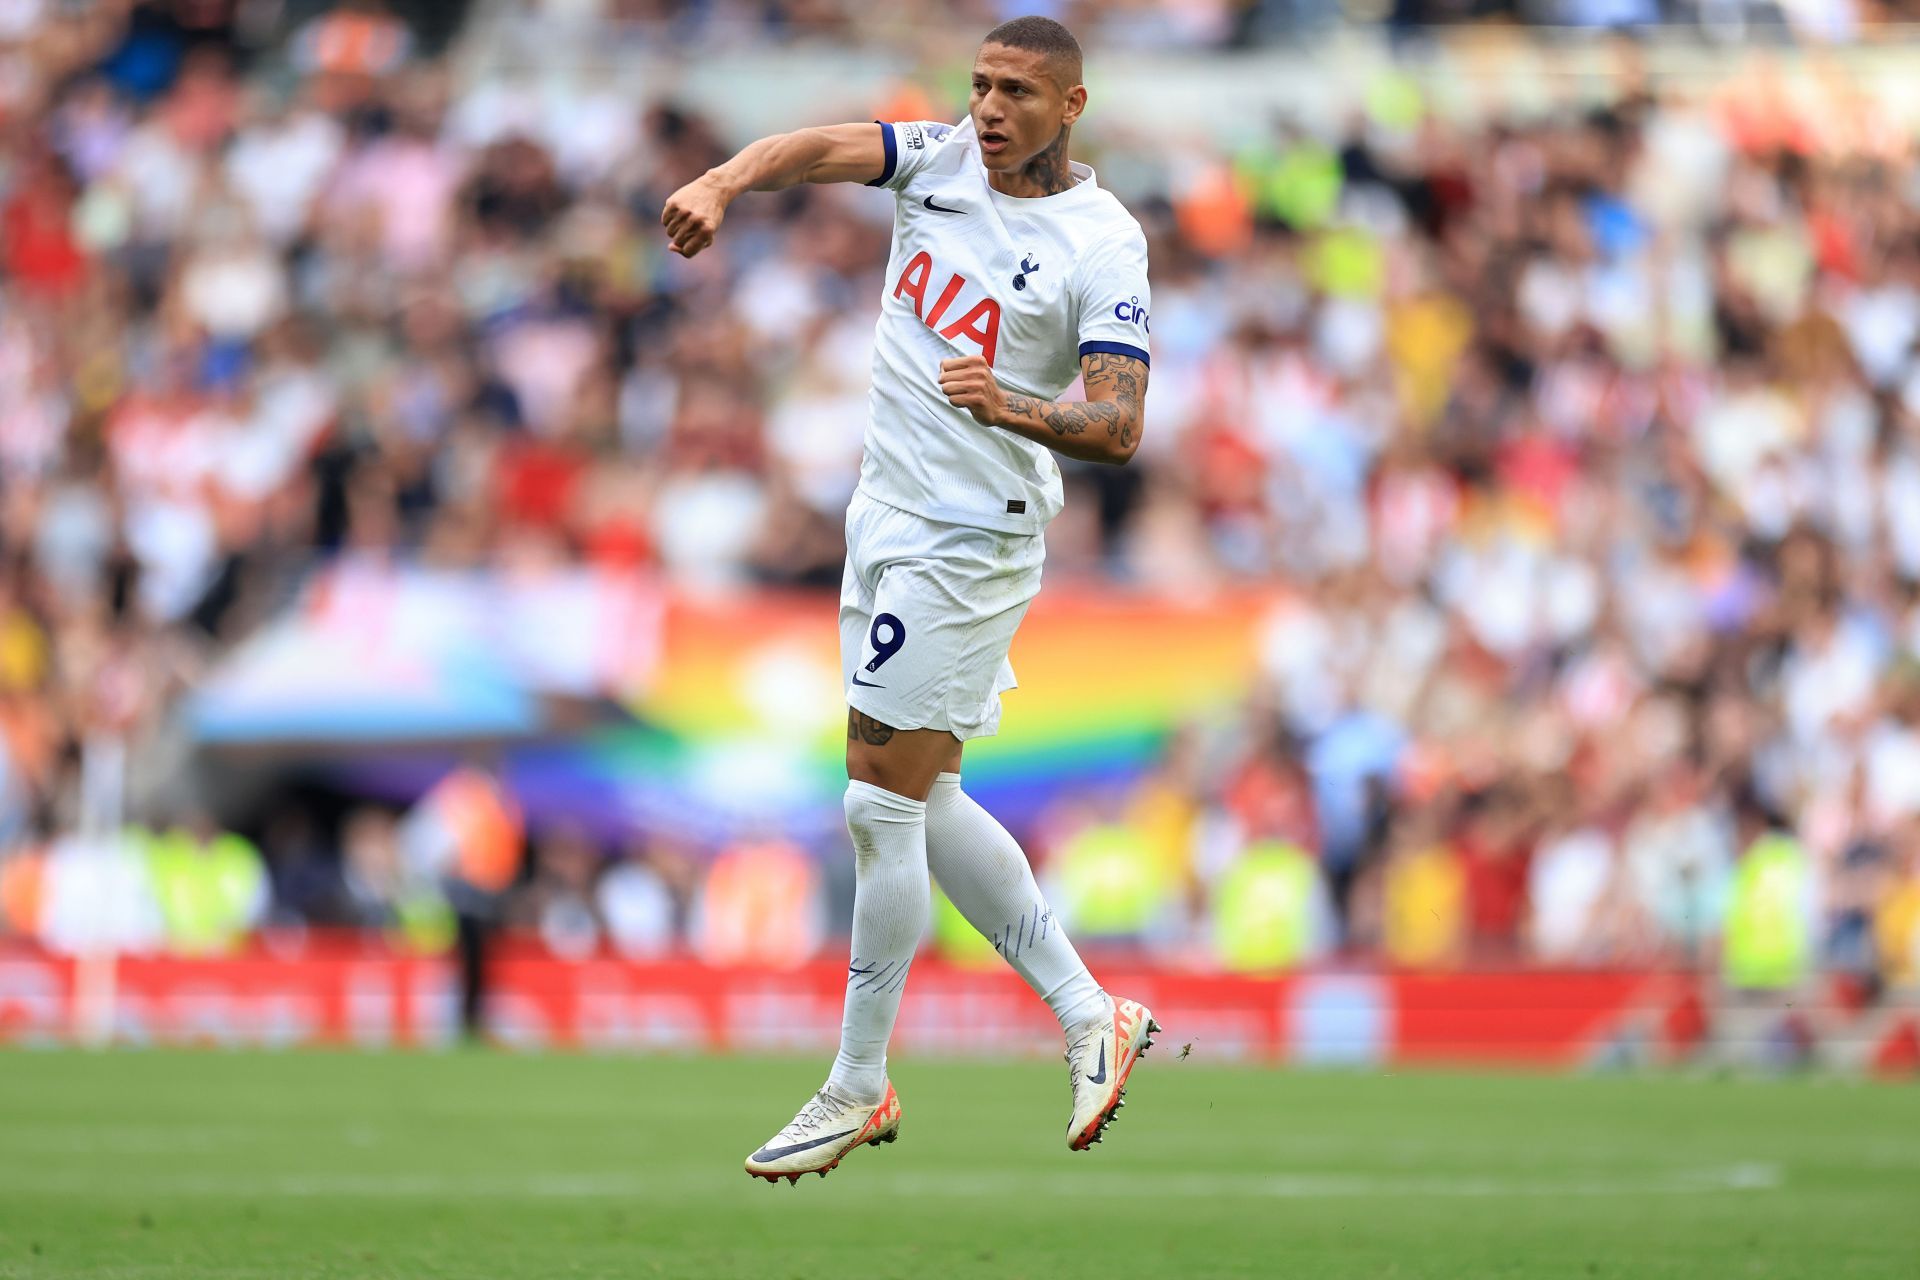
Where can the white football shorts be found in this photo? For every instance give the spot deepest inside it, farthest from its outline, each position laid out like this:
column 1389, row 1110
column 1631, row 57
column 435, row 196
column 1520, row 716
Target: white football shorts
column 927, row 614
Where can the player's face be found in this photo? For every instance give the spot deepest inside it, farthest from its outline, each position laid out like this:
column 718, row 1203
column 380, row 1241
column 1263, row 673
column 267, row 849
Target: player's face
column 1018, row 108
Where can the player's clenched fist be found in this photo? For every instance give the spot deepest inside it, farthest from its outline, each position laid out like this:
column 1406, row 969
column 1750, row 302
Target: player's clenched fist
column 693, row 215
column 967, row 382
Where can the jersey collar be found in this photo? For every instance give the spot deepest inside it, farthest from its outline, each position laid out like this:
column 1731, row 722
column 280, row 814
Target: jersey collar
column 1086, row 182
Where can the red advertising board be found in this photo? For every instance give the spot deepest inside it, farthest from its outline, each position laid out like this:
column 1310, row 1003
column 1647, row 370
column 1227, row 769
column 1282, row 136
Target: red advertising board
column 344, row 991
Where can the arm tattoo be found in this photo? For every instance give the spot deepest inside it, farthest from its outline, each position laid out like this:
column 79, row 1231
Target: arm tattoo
column 1127, row 377
column 1022, row 406
column 1120, row 414
column 862, row 727
column 1072, row 419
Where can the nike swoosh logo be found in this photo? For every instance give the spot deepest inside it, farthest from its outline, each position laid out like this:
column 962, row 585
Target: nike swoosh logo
column 1100, row 1076
column 778, row 1153
column 939, row 208
column 866, row 684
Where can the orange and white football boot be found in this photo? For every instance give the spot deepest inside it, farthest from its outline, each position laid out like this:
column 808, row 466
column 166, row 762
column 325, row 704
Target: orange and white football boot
column 1100, row 1056
column 826, row 1129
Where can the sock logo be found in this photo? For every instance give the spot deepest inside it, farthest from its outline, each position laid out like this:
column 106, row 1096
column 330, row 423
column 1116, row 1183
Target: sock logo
column 881, row 979
column 1030, row 928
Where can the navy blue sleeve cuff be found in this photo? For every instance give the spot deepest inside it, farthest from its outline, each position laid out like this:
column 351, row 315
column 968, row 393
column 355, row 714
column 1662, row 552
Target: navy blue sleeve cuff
column 893, row 157
column 1116, row 349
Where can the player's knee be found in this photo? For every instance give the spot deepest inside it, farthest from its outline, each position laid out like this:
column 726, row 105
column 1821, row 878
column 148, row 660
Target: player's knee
column 868, row 806
column 871, row 810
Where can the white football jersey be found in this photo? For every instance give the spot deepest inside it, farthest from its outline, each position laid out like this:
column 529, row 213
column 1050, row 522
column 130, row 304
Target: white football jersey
column 1031, row 284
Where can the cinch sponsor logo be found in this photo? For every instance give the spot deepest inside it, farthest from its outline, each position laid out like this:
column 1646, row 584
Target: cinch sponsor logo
column 980, row 323
column 1132, row 312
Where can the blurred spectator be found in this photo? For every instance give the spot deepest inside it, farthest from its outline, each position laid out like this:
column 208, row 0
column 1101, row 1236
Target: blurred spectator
column 1569, row 878
column 1424, row 901
column 642, row 914
column 380, row 895
column 210, row 885
column 1270, row 912
column 348, row 49
column 1769, row 938
column 558, row 904
column 466, row 838
column 761, row 903
column 98, row 894
column 1679, row 851
column 1107, row 885
column 1897, row 922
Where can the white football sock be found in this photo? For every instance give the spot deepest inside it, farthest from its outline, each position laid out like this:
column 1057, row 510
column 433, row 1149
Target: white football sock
column 981, row 868
column 890, row 902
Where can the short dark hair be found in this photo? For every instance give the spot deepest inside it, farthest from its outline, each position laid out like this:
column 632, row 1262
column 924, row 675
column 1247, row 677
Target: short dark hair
column 1046, row 37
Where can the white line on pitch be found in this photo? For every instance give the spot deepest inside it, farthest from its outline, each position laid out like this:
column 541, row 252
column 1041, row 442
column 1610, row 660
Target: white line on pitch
column 1740, row 1177
column 1151, row 1185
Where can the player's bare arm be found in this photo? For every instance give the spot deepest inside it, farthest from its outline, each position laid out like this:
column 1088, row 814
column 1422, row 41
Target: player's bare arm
column 1106, row 428
column 830, row 153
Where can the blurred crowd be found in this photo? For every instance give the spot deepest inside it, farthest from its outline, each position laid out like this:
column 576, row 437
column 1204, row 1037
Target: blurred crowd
column 1587, row 446
column 1211, row 24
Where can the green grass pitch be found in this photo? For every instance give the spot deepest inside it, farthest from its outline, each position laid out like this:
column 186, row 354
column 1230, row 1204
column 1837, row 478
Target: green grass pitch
column 204, row 1166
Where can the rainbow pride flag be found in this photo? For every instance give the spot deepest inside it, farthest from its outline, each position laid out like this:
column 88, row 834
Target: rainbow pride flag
column 1104, row 678
column 738, row 722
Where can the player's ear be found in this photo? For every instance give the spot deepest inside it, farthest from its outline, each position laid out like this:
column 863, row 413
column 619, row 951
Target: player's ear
column 1075, row 104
